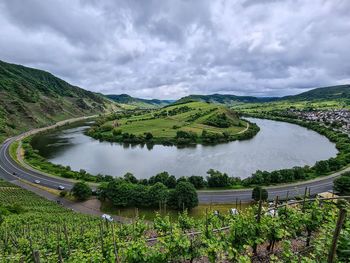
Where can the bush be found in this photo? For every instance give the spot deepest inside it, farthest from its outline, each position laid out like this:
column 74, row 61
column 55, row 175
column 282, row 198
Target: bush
column 342, row 184
column 260, row 192
column 81, row 191
column 63, row 193
column 148, row 136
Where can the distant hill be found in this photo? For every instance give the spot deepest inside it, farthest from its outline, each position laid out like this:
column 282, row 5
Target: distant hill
column 341, row 92
column 325, row 93
column 137, row 102
column 32, row 98
column 225, row 99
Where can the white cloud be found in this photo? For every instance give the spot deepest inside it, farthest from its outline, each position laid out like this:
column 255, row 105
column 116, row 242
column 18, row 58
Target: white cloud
column 168, row 49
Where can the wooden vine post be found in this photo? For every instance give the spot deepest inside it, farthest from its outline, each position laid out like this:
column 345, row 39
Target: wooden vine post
column 340, row 222
column 36, row 256
column 258, row 217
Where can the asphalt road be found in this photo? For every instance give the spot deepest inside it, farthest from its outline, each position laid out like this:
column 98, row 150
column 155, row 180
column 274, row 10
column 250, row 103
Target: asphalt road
column 8, row 167
column 11, row 170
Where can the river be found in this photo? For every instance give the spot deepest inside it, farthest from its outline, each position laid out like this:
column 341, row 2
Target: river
column 278, row 145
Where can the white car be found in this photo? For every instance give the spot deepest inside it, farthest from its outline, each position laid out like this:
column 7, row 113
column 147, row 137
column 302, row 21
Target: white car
column 60, row 187
column 37, row 181
column 107, row 217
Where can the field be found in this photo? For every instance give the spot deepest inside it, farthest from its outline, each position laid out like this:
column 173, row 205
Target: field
column 163, row 126
column 33, row 229
column 192, row 122
column 289, row 104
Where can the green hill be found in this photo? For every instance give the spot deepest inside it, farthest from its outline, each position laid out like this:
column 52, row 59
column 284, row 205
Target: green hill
column 326, row 93
column 331, row 93
column 192, row 122
column 137, row 102
column 32, row 98
column 225, row 99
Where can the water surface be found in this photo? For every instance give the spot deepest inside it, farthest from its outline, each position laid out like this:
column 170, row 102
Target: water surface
column 278, row 145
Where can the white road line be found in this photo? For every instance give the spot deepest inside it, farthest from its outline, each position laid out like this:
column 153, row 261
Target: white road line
column 4, row 149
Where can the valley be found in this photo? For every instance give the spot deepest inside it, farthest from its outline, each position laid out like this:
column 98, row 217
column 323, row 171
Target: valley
column 207, row 131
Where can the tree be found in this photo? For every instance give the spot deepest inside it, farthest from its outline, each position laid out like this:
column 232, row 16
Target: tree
column 119, row 193
column 148, row 136
column 170, row 182
column 258, row 191
column 161, row 178
column 322, row 167
column 217, row 179
column 81, row 191
column 129, row 177
column 197, row 181
column 157, row 193
column 342, row 184
column 184, row 196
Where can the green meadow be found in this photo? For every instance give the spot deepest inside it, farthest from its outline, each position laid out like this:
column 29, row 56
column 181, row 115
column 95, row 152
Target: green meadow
column 193, row 118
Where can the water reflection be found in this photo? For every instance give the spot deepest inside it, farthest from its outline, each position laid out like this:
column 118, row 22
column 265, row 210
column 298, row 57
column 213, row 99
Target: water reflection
column 278, row 145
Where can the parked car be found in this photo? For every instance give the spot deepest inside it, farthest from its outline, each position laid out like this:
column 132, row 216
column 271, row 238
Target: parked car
column 107, row 217
column 37, row 181
column 60, row 187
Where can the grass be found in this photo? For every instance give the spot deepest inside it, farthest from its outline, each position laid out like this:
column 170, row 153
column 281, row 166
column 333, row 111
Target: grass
column 167, row 126
column 150, row 213
column 13, row 150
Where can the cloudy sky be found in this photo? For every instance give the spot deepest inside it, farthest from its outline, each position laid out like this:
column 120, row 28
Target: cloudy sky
column 169, row 49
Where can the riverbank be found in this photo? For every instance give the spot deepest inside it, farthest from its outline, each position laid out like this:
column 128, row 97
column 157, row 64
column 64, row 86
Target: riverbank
column 294, row 175
column 316, row 186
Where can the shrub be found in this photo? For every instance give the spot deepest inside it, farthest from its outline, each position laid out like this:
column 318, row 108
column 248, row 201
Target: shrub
column 260, row 192
column 342, row 184
column 63, row 193
column 81, row 191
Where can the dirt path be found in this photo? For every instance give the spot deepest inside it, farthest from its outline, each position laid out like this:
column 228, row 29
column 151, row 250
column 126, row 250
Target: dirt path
column 242, row 131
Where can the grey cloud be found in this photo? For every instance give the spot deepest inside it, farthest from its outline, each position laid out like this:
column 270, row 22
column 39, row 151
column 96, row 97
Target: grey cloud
column 168, row 49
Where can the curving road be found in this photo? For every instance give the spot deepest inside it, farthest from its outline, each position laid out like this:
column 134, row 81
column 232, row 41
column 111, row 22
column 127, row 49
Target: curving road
column 10, row 170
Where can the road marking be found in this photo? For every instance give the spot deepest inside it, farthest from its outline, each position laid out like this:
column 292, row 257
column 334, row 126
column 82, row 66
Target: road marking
column 4, row 150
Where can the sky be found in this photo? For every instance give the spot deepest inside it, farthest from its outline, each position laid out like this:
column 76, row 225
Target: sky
column 168, row 49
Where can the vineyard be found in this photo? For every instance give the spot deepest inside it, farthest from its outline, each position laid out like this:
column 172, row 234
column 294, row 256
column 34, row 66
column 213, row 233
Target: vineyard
column 33, row 229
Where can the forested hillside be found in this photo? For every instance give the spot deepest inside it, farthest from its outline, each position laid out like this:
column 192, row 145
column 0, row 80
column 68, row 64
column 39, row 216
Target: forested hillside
column 225, row 99
column 332, row 93
column 325, row 93
column 31, row 98
column 137, row 102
